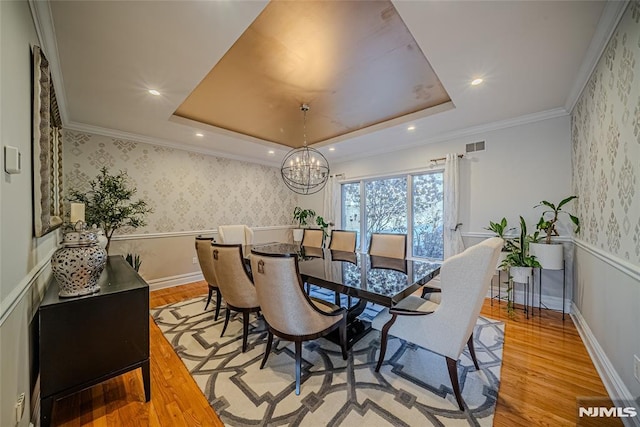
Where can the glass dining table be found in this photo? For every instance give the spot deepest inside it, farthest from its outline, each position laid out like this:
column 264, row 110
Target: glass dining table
column 379, row 280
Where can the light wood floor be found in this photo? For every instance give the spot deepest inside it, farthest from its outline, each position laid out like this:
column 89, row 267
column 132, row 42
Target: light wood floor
column 545, row 368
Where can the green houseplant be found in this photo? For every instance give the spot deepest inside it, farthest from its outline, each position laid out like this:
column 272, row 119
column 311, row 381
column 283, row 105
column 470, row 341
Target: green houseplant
column 301, row 217
column 551, row 254
column 109, row 204
column 518, row 261
column 501, row 230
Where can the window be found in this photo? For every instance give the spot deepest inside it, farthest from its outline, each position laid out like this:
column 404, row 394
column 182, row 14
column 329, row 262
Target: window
column 411, row 204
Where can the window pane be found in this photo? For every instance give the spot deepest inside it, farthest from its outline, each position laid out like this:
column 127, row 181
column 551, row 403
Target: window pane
column 385, row 206
column 428, row 195
column 351, row 208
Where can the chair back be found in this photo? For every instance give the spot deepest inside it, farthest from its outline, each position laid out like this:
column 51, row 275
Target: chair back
column 389, row 245
column 312, row 238
column 284, row 304
column 465, row 279
column 235, row 234
column 205, row 259
column 343, row 240
column 233, row 279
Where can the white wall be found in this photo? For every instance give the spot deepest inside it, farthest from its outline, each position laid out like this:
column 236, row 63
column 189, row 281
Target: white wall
column 24, row 259
column 520, row 166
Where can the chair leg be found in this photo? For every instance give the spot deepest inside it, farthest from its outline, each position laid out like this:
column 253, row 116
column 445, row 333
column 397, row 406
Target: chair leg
column 472, row 351
column 218, row 304
column 383, row 340
column 226, row 321
column 245, row 329
column 343, row 337
column 208, row 298
column 298, row 365
column 267, row 350
column 453, row 374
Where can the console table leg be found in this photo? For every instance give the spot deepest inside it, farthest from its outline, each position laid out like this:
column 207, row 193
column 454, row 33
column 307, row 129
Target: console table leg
column 146, row 380
column 46, row 407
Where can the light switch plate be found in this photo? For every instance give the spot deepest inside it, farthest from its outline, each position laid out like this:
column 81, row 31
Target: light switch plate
column 12, row 164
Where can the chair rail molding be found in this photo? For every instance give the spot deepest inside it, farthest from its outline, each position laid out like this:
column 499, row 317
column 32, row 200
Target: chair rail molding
column 626, row 267
column 189, row 233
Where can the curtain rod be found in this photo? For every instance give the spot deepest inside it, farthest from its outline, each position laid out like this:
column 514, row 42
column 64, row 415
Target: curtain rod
column 440, row 159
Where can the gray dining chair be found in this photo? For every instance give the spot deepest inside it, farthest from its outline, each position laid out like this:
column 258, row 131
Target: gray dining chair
column 343, row 240
column 289, row 312
column 390, row 245
column 204, row 251
column 236, row 286
column 445, row 327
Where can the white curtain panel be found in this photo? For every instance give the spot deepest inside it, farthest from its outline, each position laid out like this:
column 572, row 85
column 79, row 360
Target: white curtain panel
column 331, row 203
column 452, row 237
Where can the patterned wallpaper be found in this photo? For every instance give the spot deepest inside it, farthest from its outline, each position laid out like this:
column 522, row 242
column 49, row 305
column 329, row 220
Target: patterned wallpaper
column 187, row 191
column 606, row 145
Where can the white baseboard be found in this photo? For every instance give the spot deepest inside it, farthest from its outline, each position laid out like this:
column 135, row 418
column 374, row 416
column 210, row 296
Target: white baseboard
column 168, row 282
column 610, row 378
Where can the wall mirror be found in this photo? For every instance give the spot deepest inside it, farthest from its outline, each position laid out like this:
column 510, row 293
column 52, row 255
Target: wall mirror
column 47, row 149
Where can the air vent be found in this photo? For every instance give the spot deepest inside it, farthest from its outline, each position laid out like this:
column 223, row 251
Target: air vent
column 475, row 146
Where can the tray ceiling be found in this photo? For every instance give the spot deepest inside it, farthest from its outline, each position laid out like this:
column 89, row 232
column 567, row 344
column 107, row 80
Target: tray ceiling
column 355, row 63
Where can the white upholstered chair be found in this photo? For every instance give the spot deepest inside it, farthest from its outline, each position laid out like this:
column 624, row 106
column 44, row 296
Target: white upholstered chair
column 205, row 259
column 445, row 327
column 388, row 245
column 312, row 238
column 235, row 234
column 343, row 240
column 288, row 311
column 235, row 285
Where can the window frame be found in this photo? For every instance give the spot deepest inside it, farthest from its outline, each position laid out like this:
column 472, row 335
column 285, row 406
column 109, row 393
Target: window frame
column 362, row 241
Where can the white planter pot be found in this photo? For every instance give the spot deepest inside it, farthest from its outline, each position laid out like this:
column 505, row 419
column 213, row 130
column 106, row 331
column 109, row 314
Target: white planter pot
column 298, row 233
column 520, row 274
column 550, row 256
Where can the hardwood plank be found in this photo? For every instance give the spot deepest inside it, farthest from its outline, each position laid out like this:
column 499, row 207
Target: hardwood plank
column 545, row 368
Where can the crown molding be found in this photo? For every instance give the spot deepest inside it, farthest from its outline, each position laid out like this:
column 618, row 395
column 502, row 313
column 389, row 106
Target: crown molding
column 607, row 24
column 113, row 133
column 43, row 20
column 465, row 132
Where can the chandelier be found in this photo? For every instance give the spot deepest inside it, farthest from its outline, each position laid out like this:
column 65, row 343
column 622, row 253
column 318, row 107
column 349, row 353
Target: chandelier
column 305, row 170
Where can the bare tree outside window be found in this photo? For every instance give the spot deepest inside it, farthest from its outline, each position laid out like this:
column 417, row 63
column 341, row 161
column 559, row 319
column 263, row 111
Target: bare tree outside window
column 385, row 207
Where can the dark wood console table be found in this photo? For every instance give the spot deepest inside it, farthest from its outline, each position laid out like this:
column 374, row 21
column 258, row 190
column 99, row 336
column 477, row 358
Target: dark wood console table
column 86, row 340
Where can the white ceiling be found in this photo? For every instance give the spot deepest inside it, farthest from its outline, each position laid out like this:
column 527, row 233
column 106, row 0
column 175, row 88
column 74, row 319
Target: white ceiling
column 534, row 57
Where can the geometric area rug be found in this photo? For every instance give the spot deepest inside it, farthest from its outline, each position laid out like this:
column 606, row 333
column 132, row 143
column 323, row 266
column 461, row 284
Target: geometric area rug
column 411, row 389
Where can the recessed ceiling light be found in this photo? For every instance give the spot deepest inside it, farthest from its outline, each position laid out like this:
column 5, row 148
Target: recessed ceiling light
column 412, row 127
column 200, row 134
column 476, row 82
column 332, row 149
column 154, row 92
column 272, row 152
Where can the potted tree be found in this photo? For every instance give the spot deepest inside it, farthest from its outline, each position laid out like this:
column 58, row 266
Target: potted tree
column 109, row 204
column 500, row 229
column 301, row 216
column 549, row 254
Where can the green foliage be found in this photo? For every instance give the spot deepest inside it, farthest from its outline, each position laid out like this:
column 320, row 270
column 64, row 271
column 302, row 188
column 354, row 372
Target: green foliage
column 109, row 203
column 134, row 261
column 323, row 226
column 519, row 250
column 500, row 228
column 549, row 219
column 302, row 216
